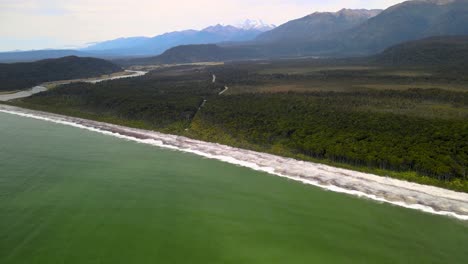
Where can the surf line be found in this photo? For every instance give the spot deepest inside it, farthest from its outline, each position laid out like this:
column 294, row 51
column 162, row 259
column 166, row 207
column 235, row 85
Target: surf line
column 126, row 134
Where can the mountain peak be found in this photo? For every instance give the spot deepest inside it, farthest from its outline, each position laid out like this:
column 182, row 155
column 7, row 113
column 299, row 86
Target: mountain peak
column 255, row 24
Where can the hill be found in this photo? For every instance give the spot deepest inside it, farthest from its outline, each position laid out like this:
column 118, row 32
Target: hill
column 197, row 53
column 17, row 76
column 448, row 53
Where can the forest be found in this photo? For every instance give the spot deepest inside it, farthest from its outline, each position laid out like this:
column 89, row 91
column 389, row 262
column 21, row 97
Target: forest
column 407, row 123
column 25, row 75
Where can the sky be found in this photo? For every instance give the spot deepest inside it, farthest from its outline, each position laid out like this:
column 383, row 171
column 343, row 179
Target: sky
column 39, row 24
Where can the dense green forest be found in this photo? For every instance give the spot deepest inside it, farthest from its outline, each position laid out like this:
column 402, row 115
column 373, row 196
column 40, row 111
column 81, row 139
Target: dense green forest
column 409, row 123
column 331, row 126
column 19, row 76
column 161, row 101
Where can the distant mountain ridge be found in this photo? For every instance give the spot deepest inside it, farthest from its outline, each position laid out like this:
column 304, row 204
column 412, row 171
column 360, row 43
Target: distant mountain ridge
column 352, row 32
column 407, row 21
column 138, row 46
column 344, row 33
column 276, row 42
column 317, row 26
column 148, row 46
column 363, row 32
column 35, row 55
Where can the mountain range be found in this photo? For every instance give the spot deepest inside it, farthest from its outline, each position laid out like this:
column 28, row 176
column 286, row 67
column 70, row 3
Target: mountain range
column 407, row 21
column 149, row 46
column 364, row 32
column 317, row 26
column 321, row 34
column 140, row 46
column 342, row 34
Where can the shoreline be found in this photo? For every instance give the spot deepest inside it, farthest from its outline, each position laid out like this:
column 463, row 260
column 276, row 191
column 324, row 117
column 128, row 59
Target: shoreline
column 420, row 197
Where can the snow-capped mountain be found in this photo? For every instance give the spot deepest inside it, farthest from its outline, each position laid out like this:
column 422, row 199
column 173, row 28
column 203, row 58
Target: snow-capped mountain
column 256, row 24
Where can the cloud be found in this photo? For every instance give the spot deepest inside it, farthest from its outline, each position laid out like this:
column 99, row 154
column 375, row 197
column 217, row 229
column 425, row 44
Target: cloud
column 81, row 21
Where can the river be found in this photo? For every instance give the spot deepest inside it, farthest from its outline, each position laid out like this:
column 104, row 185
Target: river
column 41, row 88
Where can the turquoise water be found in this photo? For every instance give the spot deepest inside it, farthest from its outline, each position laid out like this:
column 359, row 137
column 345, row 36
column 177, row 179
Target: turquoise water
column 73, row 196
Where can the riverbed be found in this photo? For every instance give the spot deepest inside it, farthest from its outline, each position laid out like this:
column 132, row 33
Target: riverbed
column 43, row 87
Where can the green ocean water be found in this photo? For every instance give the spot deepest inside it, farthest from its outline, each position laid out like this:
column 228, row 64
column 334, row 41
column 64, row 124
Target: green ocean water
column 73, row 196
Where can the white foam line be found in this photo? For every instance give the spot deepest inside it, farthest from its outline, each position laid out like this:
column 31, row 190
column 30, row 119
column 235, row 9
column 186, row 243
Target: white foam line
column 252, row 165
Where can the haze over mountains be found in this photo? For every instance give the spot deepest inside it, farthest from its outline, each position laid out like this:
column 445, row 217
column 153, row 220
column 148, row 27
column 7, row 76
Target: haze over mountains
column 138, row 46
column 150, row 46
column 35, row 55
column 341, row 34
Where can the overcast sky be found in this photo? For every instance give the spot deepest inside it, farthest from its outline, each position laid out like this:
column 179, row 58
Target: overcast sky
column 38, row 24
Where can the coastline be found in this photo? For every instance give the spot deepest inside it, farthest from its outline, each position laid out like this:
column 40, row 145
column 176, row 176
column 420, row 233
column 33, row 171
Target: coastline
column 425, row 198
